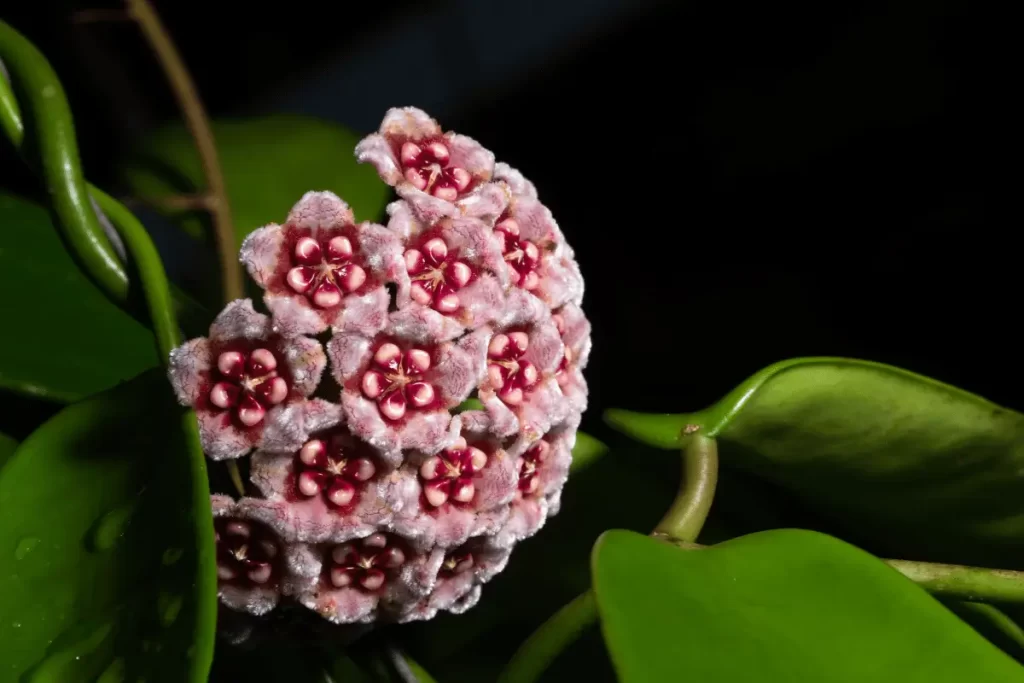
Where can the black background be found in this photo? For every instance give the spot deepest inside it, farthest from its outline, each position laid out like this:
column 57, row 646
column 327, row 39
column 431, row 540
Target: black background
column 742, row 183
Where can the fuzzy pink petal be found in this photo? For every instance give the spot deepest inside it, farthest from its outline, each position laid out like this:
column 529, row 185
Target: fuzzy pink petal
column 486, row 202
column 303, row 565
column 546, row 349
column 536, row 223
column 575, row 327
column 306, row 360
column 497, row 483
column 423, row 324
column 256, row 601
column 503, row 421
column 467, row 601
column 575, row 390
column 526, row 517
column 376, row 150
column 220, row 438
column 519, row 185
column 348, row 352
column 462, row 366
column 364, row 421
column 382, row 251
column 320, row 210
column 288, row 427
column 293, row 315
column 409, row 122
column 483, row 301
column 239, row 320
column 428, row 208
column 476, row 421
column 523, row 308
column 366, row 314
column 187, row 369
column 544, row 406
column 284, row 428
column 425, row 431
column 489, row 562
column 402, row 221
column 446, row 592
column 260, row 252
column 469, row 154
column 560, row 281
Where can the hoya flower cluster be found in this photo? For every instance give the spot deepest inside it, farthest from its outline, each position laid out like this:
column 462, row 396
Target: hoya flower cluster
column 377, row 499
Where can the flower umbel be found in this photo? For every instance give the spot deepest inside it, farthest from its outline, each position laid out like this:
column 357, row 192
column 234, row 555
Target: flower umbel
column 374, row 498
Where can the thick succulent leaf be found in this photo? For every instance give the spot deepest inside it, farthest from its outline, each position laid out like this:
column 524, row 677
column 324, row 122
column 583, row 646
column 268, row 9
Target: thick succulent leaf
column 993, row 623
column 784, row 605
column 109, row 553
column 268, row 164
column 914, row 467
column 586, row 451
column 62, row 338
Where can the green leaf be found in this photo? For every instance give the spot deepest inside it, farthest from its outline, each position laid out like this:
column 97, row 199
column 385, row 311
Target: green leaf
column 106, row 534
column 784, row 605
column 7, row 446
column 920, row 469
column 268, row 164
column 63, row 339
column 586, row 451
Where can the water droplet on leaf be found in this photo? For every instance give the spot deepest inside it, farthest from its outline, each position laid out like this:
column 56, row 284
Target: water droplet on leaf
column 25, row 546
column 109, row 528
column 172, row 555
column 168, row 607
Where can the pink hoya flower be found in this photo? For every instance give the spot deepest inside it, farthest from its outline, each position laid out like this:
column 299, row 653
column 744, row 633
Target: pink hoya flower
column 542, row 471
column 246, row 383
column 397, row 390
column 458, row 586
column 520, row 392
column 540, row 260
column 363, row 579
column 440, row 174
column 249, row 559
column 332, row 488
column 454, row 276
column 321, row 269
column 458, row 493
column 376, row 501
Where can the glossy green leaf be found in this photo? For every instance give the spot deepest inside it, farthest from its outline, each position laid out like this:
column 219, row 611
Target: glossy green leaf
column 921, row 469
column 268, row 164
column 785, row 605
column 106, row 544
column 63, row 339
column 586, row 451
column 996, row 625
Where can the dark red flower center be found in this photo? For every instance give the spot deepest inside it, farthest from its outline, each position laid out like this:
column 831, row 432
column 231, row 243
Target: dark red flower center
column 509, row 374
column 248, row 383
column 437, row 274
column 323, row 270
column 427, row 166
column 522, row 256
column 395, row 380
column 329, row 467
column 247, row 552
column 366, row 564
column 449, row 474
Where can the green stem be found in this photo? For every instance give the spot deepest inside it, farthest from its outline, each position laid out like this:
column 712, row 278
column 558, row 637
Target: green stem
column 689, row 510
column 537, row 652
column 60, row 168
column 974, row 584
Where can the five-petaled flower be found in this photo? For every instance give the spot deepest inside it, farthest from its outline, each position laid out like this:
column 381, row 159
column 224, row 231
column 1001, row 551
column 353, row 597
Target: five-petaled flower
column 321, row 269
column 246, row 383
column 380, row 496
